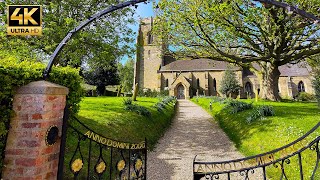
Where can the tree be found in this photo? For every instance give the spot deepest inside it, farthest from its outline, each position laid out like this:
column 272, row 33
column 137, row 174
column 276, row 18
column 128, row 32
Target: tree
column 314, row 62
column 126, row 74
column 104, row 38
column 101, row 77
column 244, row 32
column 229, row 83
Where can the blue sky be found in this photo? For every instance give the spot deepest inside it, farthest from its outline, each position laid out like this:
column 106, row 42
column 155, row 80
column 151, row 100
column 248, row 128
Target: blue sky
column 143, row 11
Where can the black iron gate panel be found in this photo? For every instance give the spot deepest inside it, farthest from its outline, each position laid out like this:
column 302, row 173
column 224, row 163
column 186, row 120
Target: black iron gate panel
column 90, row 155
column 255, row 167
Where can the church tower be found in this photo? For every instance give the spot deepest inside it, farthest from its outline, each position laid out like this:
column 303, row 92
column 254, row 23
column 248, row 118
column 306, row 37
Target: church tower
column 149, row 57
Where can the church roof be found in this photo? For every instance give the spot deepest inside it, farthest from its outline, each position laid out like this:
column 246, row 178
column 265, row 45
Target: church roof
column 300, row 69
column 196, row 65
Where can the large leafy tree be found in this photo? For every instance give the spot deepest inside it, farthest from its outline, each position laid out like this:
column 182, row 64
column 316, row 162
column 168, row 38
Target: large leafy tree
column 245, row 32
column 102, row 41
column 102, row 76
column 126, row 74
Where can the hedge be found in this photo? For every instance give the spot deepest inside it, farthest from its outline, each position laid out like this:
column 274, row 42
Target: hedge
column 14, row 74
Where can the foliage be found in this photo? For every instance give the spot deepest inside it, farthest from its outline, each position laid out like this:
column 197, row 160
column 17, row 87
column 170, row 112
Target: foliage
column 304, row 96
column 235, row 106
column 316, row 86
column 153, row 93
column 229, row 83
column 105, row 39
column 128, row 105
column 101, row 77
column 126, row 74
column 14, row 75
column 259, row 112
column 273, row 132
column 244, row 32
column 161, row 105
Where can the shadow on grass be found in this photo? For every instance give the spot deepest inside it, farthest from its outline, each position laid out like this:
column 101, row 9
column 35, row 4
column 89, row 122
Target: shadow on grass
column 238, row 129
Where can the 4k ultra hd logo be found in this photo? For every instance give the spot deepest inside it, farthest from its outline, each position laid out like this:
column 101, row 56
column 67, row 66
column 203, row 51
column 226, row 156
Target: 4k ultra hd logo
column 24, row 20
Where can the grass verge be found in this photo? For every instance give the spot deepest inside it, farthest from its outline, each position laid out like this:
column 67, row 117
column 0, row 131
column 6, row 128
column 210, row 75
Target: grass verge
column 291, row 121
column 107, row 116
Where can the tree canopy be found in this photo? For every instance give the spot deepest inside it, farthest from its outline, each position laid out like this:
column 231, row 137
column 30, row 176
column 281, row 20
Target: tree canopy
column 126, row 75
column 103, row 40
column 244, row 32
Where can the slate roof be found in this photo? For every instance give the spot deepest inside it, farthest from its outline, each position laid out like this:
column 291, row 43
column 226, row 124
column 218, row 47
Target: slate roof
column 196, row 65
column 300, row 69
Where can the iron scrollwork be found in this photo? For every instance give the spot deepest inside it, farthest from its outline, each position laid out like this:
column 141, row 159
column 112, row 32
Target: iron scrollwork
column 112, row 159
column 257, row 165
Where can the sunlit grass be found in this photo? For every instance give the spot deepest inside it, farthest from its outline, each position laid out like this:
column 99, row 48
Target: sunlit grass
column 106, row 116
column 291, row 121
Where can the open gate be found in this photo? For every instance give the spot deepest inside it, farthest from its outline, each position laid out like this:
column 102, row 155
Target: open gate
column 255, row 167
column 93, row 156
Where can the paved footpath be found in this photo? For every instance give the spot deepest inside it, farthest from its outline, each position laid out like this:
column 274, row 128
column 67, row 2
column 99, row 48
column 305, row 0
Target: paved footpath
column 191, row 134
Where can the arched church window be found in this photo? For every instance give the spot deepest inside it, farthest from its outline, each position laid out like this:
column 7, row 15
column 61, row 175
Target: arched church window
column 214, row 84
column 150, row 38
column 198, row 83
column 301, row 87
column 248, row 87
column 167, row 82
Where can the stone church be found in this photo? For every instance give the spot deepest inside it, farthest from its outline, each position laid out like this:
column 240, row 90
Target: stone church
column 187, row 78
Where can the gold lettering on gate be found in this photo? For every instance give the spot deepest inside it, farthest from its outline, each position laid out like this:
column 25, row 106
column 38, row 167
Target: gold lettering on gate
column 112, row 143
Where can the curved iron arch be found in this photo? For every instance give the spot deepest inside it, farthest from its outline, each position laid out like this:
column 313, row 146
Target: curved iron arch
column 81, row 26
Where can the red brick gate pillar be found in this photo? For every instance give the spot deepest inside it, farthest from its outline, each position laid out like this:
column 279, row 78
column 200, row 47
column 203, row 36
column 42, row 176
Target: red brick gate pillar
column 32, row 150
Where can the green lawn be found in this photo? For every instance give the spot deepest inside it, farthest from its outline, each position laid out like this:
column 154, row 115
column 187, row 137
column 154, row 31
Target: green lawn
column 106, row 116
column 291, row 121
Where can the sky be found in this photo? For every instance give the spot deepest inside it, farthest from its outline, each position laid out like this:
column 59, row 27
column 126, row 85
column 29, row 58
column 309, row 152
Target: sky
column 143, row 11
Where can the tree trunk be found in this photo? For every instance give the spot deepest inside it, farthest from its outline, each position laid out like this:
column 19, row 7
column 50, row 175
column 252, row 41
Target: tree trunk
column 101, row 90
column 270, row 82
column 135, row 92
column 119, row 91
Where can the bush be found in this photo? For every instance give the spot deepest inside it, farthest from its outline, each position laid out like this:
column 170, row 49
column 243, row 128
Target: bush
column 303, row 96
column 229, row 83
column 259, row 112
column 160, row 106
column 14, row 74
column 128, row 105
column 153, row 93
column 236, row 106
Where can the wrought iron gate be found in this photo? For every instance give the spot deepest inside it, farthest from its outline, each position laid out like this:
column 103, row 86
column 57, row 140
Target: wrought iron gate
column 93, row 156
column 255, row 167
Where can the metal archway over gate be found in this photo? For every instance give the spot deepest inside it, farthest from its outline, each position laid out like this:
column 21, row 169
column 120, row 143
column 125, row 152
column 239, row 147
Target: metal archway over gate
column 99, row 157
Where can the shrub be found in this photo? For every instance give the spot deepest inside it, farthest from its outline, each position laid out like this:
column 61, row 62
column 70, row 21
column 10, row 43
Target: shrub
column 160, row 106
column 127, row 102
column 236, row 106
column 259, row 112
column 16, row 73
column 153, row 93
column 141, row 110
column 229, row 83
column 303, row 96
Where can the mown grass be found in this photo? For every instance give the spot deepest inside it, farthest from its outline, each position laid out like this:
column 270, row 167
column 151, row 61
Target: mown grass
column 106, row 116
column 291, row 121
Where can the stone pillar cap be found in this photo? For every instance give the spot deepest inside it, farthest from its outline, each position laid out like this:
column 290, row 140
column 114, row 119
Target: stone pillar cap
column 43, row 87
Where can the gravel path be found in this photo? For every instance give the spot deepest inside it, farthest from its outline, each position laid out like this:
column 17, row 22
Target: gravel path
column 190, row 134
